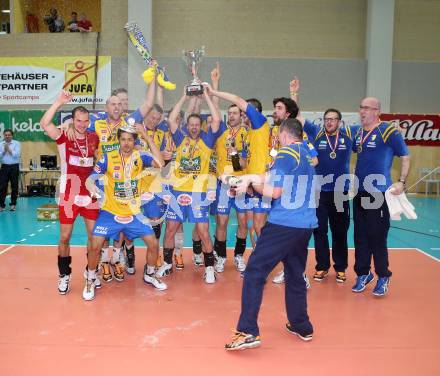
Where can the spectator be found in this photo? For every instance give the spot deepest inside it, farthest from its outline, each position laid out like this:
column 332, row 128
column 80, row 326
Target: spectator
column 84, row 24
column 72, row 25
column 32, row 23
column 10, row 153
column 54, row 21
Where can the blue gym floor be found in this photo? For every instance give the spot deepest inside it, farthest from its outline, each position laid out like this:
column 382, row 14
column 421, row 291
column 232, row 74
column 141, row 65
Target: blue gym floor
column 22, row 227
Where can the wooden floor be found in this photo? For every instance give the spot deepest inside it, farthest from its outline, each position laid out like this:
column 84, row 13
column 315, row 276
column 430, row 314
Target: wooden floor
column 132, row 329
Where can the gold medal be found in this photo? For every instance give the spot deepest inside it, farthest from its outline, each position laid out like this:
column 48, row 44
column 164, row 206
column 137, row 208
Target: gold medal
column 363, row 139
column 333, row 147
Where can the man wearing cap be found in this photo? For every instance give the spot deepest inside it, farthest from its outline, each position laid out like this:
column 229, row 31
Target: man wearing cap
column 120, row 213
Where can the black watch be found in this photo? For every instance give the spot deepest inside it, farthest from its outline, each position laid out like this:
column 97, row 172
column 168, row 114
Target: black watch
column 402, row 181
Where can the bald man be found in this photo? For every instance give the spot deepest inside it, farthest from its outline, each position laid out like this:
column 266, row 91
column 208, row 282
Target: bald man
column 376, row 143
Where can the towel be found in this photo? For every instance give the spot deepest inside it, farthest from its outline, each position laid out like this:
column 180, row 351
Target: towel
column 398, row 205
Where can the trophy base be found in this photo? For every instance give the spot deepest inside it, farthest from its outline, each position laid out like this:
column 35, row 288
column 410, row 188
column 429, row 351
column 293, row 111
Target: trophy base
column 194, row 89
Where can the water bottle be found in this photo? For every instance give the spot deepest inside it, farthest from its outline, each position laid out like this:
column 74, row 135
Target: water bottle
column 31, row 165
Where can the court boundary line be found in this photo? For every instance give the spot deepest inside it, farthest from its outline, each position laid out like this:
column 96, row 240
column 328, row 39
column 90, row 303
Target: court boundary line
column 7, row 249
column 427, row 254
column 10, row 246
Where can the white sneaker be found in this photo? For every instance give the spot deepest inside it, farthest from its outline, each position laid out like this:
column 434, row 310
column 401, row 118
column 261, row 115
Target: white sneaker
column 209, row 274
column 198, row 259
column 239, row 263
column 151, row 279
column 306, row 280
column 164, row 270
column 64, row 284
column 98, row 284
column 89, row 290
column 220, row 264
column 279, row 278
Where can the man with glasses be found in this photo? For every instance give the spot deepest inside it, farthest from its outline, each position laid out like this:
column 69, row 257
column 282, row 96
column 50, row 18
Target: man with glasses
column 333, row 143
column 376, row 144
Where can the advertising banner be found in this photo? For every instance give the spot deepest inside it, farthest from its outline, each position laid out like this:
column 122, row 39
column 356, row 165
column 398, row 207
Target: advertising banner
column 39, row 80
column 421, row 130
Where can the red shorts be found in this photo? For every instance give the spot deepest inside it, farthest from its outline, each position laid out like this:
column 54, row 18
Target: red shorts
column 69, row 211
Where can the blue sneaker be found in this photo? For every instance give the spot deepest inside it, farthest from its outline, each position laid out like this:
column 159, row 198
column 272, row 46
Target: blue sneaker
column 381, row 286
column 362, row 281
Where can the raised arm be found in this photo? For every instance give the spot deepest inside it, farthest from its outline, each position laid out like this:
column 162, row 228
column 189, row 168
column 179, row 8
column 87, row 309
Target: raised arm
column 216, row 117
column 149, row 98
column 46, row 121
column 172, row 117
column 294, row 89
column 159, row 96
column 238, row 101
column 215, row 80
column 155, row 152
column 192, row 105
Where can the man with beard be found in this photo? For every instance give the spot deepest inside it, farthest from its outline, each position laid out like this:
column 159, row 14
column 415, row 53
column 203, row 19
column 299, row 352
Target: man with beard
column 190, row 181
column 258, row 152
column 333, row 143
column 231, row 152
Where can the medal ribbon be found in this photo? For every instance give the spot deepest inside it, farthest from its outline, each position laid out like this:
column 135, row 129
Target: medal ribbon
column 110, row 130
column 232, row 134
column 363, row 139
column 80, row 150
column 127, row 174
column 192, row 149
column 333, row 147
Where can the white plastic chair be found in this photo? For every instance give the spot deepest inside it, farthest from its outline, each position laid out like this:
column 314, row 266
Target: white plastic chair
column 434, row 178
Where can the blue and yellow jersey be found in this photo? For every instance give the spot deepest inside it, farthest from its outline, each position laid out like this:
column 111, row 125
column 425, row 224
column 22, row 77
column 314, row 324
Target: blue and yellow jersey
column 107, row 133
column 228, row 138
column 274, row 142
column 293, row 172
column 325, row 145
column 191, row 170
column 376, row 152
column 258, row 136
column 149, row 181
column 122, row 193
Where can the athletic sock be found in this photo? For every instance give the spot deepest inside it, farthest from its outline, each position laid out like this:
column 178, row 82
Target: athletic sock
column 105, row 257
column 150, row 269
column 178, row 242
column 240, row 246
column 157, row 230
column 208, row 258
column 168, row 255
column 64, row 265
column 91, row 274
column 220, row 248
column 116, row 254
column 197, row 247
